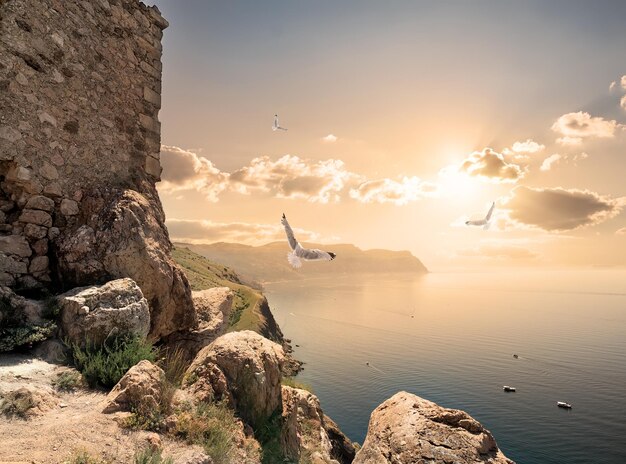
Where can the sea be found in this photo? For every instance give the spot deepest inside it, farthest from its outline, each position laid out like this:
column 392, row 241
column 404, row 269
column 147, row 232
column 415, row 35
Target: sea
column 450, row 337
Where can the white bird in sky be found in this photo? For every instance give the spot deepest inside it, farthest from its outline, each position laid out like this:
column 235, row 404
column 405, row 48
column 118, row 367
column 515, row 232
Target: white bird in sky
column 277, row 126
column 483, row 222
column 298, row 253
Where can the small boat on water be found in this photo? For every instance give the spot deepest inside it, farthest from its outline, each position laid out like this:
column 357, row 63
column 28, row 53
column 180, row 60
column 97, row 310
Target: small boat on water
column 563, row 405
column 507, row 388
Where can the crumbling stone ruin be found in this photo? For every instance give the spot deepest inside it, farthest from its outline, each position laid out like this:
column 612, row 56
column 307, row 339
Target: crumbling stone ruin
column 80, row 86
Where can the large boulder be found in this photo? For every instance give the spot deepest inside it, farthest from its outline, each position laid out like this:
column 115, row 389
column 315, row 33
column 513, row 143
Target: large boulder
column 121, row 233
column 142, row 385
column 246, row 365
column 305, row 430
column 213, row 307
column 407, row 429
column 91, row 314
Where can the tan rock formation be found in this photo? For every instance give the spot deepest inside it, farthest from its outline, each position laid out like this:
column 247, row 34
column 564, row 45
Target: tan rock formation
column 91, row 314
column 141, row 385
column 407, row 429
column 248, row 366
column 213, row 307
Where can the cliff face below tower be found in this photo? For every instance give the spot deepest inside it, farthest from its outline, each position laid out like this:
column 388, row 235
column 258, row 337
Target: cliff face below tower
column 80, row 86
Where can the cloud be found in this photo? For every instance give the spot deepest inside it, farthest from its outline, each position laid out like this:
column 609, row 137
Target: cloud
column 529, row 146
column 287, row 177
column 501, row 252
column 550, row 161
column 622, row 102
column 293, row 177
column 185, row 170
column 558, row 209
column 330, row 138
column 198, row 231
column 490, row 165
column 621, row 231
column 612, row 85
column 390, row 191
column 623, row 82
column 555, row 159
column 580, row 125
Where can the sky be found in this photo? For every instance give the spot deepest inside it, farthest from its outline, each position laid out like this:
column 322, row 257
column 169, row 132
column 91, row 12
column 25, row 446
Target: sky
column 405, row 119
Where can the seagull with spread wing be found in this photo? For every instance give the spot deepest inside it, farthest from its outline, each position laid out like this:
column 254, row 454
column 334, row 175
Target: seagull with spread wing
column 483, row 222
column 277, row 126
column 298, row 253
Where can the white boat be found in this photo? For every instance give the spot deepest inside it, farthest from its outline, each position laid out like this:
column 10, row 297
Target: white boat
column 507, row 388
column 563, row 405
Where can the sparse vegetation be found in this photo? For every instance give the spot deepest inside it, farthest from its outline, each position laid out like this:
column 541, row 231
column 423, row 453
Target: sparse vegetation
column 82, row 457
column 203, row 273
column 67, row 381
column 212, row 426
column 16, row 403
column 16, row 331
column 151, row 455
column 174, row 364
column 106, row 364
column 268, row 433
column 292, row 382
column 145, row 416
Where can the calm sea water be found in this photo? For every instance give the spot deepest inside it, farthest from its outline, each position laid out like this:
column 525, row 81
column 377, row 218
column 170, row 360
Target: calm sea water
column 450, row 338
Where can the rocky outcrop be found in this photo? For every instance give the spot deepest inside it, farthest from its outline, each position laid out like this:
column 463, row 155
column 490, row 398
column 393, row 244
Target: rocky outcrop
column 28, row 401
column 80, row 87
column 305, row 430
column 91, row 314
column 408, row 429
column 213, row 307
column 246, row 368
column 141, row 385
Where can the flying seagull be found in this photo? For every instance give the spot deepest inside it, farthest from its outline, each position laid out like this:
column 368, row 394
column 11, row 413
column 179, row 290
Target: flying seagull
column 277, row 126
column 483, row 222
column 298, row 253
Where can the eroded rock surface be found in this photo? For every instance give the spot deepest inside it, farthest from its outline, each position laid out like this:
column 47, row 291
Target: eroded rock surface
column 213, row 307
column 142, row 384
column 407, row 429
column 91, row 314
column 245, row 368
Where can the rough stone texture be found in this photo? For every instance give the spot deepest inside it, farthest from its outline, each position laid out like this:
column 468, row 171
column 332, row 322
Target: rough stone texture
column 40, row 400
column 305, row 430
column 80, row 86
column 142, row 384
column 407, row 429
column 213, row 307
column 23, row 309
column 249, row 365
column 91, row 314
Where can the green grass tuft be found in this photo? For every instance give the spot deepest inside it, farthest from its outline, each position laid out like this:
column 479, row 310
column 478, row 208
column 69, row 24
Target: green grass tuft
column 150, row 455
column 292, row 382
column 105, row 365
column 67, row 381
column 16, row 403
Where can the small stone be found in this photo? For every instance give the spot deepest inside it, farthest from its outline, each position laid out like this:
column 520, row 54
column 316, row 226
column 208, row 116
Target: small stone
column 45, row 117
column 12, row 265
column 48, row 171
column 10, row 134
column 21, row 79
column 53, row 233
column 153, row 167
column 53, row 189
column 57, row 159
column 23, row 174
column 35, row 232
column 151, row 96
column 15, row 245
column 39, row 264
column 69, row 207
column 33, row 216
column 40, row 247
column 83, row 310
column 40, row 202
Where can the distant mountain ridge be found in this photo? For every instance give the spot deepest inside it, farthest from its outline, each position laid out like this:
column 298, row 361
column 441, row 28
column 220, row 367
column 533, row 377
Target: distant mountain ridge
column 267, row 263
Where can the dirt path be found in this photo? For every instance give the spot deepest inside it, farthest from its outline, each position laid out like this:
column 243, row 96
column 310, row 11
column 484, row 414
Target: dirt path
column 74, row 423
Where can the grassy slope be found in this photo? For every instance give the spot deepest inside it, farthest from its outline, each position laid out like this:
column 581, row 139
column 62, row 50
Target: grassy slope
column 203, row 274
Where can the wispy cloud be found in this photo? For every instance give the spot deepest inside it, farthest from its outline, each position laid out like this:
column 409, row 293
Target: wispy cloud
column 198, row 231
column 574, row 127
column 550, row 161
column 529, row 146
column 400, row 192
column 330, row 138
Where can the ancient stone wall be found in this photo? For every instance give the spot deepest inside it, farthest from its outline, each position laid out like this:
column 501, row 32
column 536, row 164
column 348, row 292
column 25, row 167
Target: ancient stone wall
column 80, row 85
